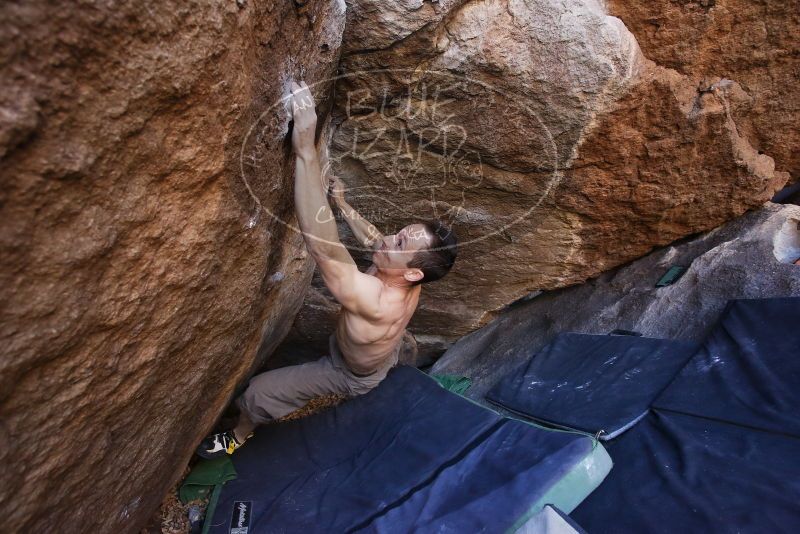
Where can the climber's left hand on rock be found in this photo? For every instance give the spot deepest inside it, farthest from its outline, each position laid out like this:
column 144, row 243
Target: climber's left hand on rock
column 336, row 190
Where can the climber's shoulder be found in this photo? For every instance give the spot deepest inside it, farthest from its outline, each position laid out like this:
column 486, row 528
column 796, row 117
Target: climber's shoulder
column 357, row 292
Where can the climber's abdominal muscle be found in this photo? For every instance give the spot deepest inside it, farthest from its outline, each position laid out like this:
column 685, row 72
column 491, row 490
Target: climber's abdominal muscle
column 367, row 343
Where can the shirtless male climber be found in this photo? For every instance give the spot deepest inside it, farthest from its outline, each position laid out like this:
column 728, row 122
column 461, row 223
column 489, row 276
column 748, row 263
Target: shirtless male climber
column 376, row 305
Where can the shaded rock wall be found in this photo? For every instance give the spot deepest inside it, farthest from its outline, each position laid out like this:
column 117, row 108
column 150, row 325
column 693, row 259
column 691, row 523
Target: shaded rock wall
column 137, row 280
column 553, row 143
column 749, row 257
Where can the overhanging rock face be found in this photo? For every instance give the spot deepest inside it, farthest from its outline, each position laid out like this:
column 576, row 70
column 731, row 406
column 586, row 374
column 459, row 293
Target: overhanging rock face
column 750, row 257
column 138, row 281
column 540, row 130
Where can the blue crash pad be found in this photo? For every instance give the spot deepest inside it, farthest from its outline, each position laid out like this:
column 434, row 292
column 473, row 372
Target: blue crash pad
column 592, row 382
column 748, row 371
column 680, row 473
column 720, row 451
column 408, row 456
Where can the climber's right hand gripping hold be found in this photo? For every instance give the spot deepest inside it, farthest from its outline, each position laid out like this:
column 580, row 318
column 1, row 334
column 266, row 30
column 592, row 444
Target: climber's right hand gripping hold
column 357, row 292
column 305, row 120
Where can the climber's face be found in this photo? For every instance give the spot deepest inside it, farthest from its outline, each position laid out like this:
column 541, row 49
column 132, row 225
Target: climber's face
column 395, row 251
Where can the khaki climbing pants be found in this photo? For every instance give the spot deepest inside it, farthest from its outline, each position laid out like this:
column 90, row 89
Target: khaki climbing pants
column 277, row 393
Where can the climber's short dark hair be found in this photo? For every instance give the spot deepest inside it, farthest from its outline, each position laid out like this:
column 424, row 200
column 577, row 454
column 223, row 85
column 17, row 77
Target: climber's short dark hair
column 437, row 260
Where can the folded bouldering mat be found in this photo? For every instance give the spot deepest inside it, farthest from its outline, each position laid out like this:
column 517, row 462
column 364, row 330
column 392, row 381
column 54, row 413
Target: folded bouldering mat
column 594, row 383
column 409, row 456
column 748, row 371
column 720, row 449
column 681, row 473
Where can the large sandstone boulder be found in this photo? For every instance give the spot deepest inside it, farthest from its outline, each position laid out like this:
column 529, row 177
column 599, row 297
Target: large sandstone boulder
column 542, row 132
column 749, row 257
column 140, row 275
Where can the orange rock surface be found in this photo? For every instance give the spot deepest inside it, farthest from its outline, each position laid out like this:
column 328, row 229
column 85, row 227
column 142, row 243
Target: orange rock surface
column 137, row 286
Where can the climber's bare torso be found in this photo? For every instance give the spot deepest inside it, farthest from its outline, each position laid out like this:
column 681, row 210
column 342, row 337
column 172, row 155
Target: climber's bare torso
column 366, row 343
column 378, row 304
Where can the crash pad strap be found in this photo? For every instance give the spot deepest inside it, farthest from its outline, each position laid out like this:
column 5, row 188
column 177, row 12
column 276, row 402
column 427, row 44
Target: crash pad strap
column 205, row 481
column 206, row 474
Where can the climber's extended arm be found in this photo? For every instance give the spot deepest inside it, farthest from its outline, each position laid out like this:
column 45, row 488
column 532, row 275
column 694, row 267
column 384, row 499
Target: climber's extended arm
column 356, row 291
column 363, row 230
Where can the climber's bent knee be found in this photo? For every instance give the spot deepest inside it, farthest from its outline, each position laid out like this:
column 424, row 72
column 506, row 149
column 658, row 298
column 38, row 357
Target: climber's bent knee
column 277, row 393
column 250, row 409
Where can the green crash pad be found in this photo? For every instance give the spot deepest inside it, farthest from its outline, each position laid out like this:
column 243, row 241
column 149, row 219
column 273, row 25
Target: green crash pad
column 205, row 481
